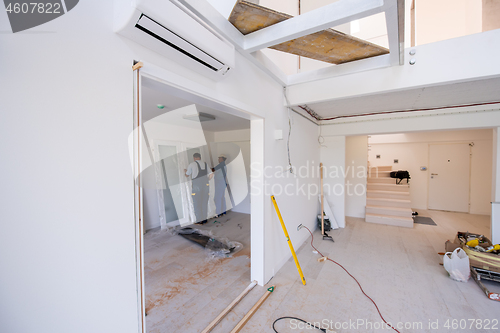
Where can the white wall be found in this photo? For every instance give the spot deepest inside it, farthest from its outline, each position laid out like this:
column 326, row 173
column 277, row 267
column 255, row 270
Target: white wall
column 436, row 64
column 412, row 152
column 445, row 19
column 66, row 93
column 345, row 160
column 356, row 161
column 491, row 12
column 296, row 208
column 69, row 194
column 230, row 136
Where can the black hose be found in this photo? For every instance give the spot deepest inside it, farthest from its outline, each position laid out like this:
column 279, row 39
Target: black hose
column 318, row 328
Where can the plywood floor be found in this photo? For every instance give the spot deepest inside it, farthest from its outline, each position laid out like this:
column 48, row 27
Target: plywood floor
column 398, row 267
column 181, row 285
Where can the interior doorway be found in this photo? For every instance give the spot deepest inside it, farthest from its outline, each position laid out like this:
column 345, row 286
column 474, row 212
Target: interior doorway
column 461, row 185
column 449, row 177
column 180, row 274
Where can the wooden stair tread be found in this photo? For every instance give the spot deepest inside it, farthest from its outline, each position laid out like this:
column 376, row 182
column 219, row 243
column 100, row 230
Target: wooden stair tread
column 385, row 199
column 386, row 184
column 387, row 192
column 391, row 208
column 391, row 217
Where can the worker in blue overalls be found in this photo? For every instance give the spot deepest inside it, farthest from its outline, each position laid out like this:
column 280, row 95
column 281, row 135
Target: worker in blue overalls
column 220, row 180
column 200, row 176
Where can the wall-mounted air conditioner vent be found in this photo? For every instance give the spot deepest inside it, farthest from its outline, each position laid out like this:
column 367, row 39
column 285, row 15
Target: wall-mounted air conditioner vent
column 168, row 30
column 178, row 43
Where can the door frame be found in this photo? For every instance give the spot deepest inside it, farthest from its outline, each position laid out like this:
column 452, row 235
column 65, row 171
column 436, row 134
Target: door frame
column 429, row 178
column 136, row 142
column 200, row 94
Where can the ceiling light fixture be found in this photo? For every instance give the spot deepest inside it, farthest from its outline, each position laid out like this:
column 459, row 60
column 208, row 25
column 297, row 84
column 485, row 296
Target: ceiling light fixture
column 199, row 116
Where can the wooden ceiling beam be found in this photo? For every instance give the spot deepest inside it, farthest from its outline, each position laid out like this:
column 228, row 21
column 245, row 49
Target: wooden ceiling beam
column 337, row 13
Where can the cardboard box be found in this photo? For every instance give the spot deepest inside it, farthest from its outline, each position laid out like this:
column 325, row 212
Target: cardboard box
column 450, row 247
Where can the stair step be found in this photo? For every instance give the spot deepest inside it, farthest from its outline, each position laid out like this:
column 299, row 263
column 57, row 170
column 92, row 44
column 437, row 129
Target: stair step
column 387, row 194
column 382, row 180
column 392, row 211
column 379, row 174
column 388, row 187
column 398, row 221
column 388, row 202
column 380, row 168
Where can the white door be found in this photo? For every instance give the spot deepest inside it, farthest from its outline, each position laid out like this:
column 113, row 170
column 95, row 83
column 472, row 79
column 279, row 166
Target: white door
column 171, row 184
column 449, row 172
column 171, row 187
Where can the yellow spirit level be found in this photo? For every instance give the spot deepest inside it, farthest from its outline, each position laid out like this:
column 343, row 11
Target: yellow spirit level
column 288, row 240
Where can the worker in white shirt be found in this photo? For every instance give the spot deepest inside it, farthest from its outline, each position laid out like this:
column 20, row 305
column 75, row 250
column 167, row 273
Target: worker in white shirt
column 200, row 176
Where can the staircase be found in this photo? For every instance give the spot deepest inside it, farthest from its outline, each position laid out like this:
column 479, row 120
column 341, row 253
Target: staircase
column 386, row 202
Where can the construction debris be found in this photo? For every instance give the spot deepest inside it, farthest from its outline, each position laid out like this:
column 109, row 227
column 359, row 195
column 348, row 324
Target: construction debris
column 484, row 259
column 484, row 255
column 479, row 274
column 216, row 247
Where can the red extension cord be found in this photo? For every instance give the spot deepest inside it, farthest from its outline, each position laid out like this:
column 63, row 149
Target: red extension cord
column 312, row 238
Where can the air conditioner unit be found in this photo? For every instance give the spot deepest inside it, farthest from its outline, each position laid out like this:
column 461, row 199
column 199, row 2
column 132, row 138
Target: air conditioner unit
column 168, row 30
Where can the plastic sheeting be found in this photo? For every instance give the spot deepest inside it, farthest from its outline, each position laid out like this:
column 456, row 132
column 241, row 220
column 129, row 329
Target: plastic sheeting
column 215, row 247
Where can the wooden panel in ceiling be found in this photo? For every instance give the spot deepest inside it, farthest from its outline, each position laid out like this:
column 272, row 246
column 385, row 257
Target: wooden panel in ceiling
column 329, row 45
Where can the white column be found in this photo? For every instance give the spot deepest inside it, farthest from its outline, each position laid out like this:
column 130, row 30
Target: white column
column 332, row 155
column 257, row 200
column 495, row 188
column 356, row 161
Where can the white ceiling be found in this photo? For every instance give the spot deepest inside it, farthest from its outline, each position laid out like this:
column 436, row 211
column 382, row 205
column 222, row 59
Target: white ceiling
column 428, row 97
column 153, row 94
